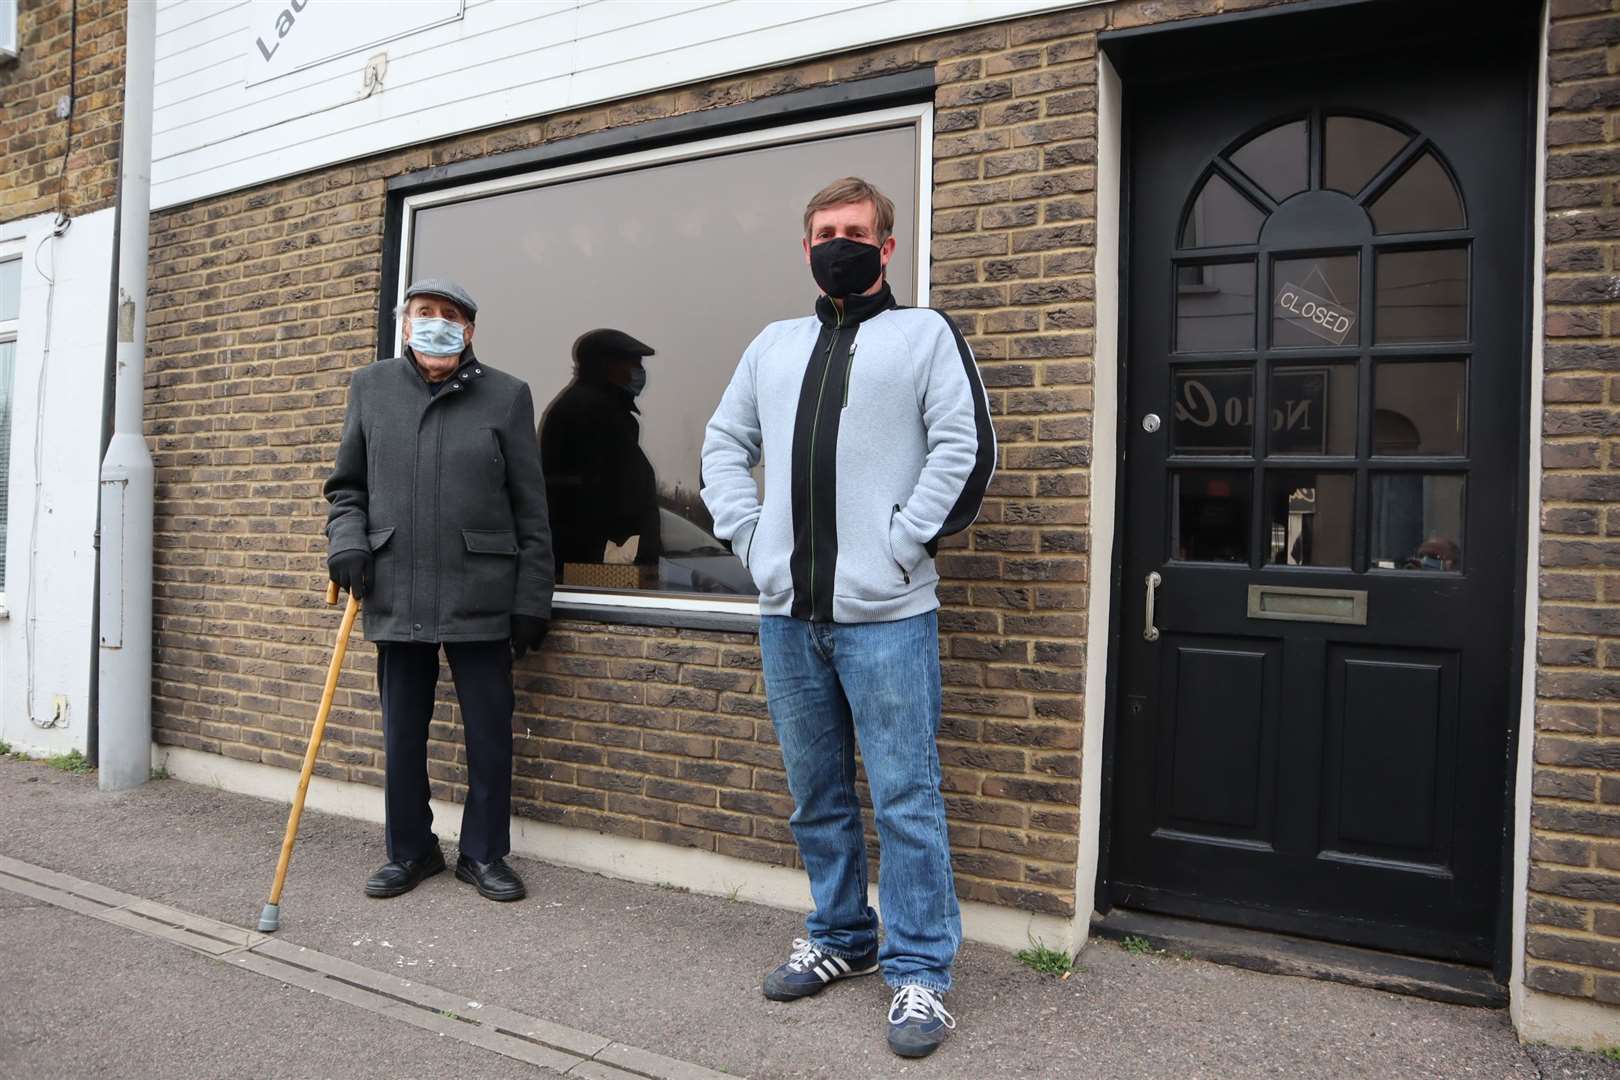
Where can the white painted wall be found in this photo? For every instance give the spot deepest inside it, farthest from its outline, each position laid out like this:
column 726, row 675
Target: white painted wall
column 226, row 118
column 45, row 642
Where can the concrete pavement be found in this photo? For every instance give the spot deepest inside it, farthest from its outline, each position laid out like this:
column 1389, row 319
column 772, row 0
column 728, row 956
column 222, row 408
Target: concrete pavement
column 654, row 968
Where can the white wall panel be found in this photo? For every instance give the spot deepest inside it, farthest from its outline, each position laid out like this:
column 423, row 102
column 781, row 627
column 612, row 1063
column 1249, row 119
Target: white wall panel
column 503, row 60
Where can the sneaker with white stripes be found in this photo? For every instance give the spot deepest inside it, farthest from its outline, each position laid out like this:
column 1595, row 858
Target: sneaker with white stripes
column 809, row 970
column 918, row 1021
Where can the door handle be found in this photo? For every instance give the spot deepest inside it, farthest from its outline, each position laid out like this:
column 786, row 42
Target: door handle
column 1149, row 631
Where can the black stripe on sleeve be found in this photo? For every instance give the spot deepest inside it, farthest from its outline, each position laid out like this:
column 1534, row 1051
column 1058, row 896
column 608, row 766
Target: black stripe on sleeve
column 984, row 457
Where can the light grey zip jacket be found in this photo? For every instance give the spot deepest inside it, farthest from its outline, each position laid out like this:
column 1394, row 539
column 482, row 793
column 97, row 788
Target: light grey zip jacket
column 877, row 442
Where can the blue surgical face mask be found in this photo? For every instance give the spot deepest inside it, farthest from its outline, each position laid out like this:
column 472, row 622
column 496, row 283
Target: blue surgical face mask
column 637, row 383
column 437, row 337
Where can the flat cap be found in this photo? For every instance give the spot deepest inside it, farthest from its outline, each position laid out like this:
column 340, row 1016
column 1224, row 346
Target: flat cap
column 606, row 344
column 438, row 286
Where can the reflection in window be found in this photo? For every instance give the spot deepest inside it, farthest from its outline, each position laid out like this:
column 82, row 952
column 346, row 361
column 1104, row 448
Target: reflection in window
column 1355, row 150
column 1422, row 296
column 1313, row 410
column 1221, row 216
column 1417, row 521
column 1422, row 407
column 1422, row 199
column 1212, row 410
column 1311, row 518
column 1211, row 516
column 650, row 251
column 1278, row 160
column 1215, row 307
column 1315, row 301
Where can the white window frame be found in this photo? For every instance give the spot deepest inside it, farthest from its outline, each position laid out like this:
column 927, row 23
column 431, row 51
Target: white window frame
column 8, row 29
column 10, row 251
column 920, row 115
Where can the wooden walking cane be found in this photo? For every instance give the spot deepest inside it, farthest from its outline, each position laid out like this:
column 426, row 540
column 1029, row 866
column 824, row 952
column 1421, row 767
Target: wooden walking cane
column 270, row 918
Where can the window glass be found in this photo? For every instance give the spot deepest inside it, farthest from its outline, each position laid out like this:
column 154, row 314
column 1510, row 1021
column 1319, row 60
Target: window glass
column 1313, row 410
column 1423, row 198
column 10, row 289
column 1355, row 149
column 1311, row 518
column 8, row 358
column 1211, row 516
column 1221, row 216
column 1315, row 301
column 1212, row 410
column 692, row 258
column 1417, row 521
column 1422, row 407
column 1422, row 296
column 1215, row 307
column 1278, row 160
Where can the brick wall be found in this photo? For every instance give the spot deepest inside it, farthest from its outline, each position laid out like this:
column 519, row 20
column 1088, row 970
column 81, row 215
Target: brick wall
column 263, row 301
column 1574, row 907
column 33, row 141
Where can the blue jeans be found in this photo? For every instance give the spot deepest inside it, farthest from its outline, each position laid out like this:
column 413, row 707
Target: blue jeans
column 829, row 685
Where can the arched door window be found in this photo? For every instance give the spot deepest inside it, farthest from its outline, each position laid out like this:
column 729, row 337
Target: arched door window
column 1322, row 281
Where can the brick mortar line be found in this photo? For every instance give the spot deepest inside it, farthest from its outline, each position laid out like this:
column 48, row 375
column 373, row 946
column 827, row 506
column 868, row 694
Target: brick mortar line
column 43, row 882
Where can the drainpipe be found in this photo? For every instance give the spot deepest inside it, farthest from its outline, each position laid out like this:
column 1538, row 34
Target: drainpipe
column 124, row 690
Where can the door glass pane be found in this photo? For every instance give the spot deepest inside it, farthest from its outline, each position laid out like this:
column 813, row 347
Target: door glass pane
column 10, row 288
column 1423, row 198
column 1355, row 149
column 1422, row 296
column 1310, row 517
column 1212, row 410
column 1221, row 216
column 1211, row 516
column 8, row 358
column 1417, row 521
column 1313, row 410
column 1421, row 407
column 1277, row 160
column 1215, row 307
column 1315, row 301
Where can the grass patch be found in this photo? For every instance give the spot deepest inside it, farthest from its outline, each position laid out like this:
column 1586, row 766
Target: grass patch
column 160, row 773
column 5, row 748
column 1611, row 1052
column 1045, row 960
column 70, row 762
column 1137, row 946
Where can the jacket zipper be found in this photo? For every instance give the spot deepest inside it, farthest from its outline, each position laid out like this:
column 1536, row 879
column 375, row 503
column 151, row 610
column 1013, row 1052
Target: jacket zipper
column 821, row 393
column 849, row 369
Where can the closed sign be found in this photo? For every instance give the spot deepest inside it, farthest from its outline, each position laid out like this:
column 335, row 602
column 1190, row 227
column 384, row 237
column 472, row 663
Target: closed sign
column 1327, row 319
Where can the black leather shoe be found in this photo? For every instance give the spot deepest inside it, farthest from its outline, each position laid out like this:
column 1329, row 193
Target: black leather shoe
column 494, row 880
column 397, row 878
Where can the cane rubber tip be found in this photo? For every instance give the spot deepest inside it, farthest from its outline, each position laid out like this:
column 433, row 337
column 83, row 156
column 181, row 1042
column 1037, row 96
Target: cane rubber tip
column 270, row 919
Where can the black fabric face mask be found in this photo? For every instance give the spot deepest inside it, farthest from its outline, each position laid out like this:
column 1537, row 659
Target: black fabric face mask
column 844, row 267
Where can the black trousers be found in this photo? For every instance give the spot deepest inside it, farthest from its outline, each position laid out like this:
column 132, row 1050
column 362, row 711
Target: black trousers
column 407, row 673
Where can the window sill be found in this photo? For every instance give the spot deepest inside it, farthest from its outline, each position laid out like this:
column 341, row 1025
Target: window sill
column 740, row 622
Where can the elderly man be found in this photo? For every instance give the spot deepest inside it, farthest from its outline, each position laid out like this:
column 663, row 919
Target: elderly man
column 438, row 521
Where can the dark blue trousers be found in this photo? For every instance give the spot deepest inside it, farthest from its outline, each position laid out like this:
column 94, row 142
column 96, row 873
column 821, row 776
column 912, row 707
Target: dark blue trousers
column 407, row 673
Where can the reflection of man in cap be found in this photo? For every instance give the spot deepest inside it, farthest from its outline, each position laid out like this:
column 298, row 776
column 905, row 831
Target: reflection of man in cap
column 438, row 521
column 600, row 485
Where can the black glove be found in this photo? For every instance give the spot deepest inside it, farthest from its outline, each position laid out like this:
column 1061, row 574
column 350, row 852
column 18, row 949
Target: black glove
column 352, row 571
column 528, row 632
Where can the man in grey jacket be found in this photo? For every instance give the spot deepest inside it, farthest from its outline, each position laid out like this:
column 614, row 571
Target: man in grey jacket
column 876, row 438
column 438, row 522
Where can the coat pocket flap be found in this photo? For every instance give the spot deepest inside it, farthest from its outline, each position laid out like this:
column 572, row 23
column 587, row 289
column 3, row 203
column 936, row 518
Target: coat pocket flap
column 491, row 541
column 378, row 537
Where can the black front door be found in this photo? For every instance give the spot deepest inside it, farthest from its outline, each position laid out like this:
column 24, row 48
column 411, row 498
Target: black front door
column 1323, row 499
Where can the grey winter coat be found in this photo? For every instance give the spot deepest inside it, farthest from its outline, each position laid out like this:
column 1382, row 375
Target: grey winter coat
column 446, row 491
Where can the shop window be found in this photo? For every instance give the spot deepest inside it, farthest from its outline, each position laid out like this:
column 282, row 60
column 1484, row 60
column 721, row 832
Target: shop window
column 691, row 250
column 1278, row 160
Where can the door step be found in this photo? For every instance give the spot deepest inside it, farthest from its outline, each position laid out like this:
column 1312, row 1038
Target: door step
column 1280, row 954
